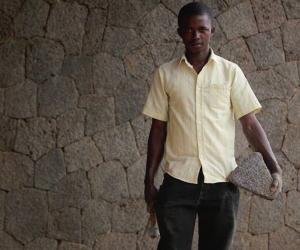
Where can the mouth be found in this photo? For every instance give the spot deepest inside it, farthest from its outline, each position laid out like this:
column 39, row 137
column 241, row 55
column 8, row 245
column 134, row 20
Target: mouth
column 197, row 44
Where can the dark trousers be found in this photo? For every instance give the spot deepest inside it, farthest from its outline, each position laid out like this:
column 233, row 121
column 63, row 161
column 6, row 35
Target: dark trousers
column 178, row 204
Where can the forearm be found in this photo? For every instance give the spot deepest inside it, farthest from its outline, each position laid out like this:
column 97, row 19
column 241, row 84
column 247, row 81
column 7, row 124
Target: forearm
column 257, row 137
column 155, row 153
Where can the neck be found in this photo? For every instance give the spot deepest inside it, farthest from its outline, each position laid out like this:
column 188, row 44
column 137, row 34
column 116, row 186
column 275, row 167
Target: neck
column 198, row 58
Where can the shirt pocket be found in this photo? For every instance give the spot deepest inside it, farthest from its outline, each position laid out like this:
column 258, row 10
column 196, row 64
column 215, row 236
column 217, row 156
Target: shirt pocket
column 217, row 96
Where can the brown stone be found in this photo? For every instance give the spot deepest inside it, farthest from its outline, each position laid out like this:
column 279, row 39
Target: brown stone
column 120, row 241
column 2, row 209
column 11, row 7
column 292, row 8
column 291, row 39
column 243, row 210
column 269, row 14
column 284, row 238
column 42, row 243
column 65, row 245
column 162, row 52
column 8, row 242
column 6, row 27
column 291, row 144
column 292, row 216
column 218, row 39
column 94, row 3
column 289, row 71
column 249, row 241
column 8, row 131
column 233, row 25
column 294, row 107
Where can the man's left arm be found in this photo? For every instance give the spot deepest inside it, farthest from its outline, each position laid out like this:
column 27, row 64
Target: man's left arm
column 257, row 137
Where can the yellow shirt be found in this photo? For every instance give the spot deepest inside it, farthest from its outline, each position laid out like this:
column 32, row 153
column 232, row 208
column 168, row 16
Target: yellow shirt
column 200, row 110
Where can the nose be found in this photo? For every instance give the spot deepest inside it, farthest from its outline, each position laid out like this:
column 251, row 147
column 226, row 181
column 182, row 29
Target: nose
column 196, row 34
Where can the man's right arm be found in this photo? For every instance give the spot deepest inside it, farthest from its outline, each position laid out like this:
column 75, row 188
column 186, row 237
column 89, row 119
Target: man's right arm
column 156, row 142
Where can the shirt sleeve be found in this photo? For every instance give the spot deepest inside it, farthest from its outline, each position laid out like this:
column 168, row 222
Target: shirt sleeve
column 156, row 105
column 242, row 96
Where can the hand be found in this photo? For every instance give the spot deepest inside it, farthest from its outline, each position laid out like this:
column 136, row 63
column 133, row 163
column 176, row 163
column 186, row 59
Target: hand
column 276, row 185
column 150, row 197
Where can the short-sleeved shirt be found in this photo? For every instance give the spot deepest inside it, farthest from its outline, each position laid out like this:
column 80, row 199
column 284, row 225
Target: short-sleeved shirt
column 200, row 111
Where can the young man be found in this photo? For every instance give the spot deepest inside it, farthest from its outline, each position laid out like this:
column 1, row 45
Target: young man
column 194, row 101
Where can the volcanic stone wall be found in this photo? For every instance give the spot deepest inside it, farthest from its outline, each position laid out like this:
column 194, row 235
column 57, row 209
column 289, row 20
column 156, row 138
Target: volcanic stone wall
column 74, row 76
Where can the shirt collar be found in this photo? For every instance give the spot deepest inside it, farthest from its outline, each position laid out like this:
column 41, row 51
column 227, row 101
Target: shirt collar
column 212, row 57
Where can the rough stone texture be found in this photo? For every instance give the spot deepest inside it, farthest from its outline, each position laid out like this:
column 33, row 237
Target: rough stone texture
column 35, row 137
column 129, row 12
column 95, row 26
column 65, row 224
column 273, row 120
column 57, row 96
column 7, row 242
column 6, row 27
column 291, row 39
column 233, row 25
column 2, row 209
column 118, row 143
column 219, row 38
column 109, row 72
column 162, row 52
column 292, row 216
column 31, row 20
column 292, row 8
column 7, row 133
column 237, row 51
column 268, row 84
column 106, row 177
column 136, row 175
column 141, row 128
column 66, row 24
column 26, row 214
column 244, row 210
column 72, row 246
column 72, row 191
column 99, row 113
column 163, row 29
column 122, row 216
column 285, row 238
column 12, row 54
column 294, row 107
column 96, row 219
column 49, row 169
column 94, row 3
column 42, row 243
column 1, row 101
column 21, row 166
column 82, row 154
column 266, row 48
column 249, row 241
column 121, row 241
column 269, row 14
column 263, row 212
column 289, row 71
column 174, row 6
column 291, row 144
column 70, row 127
column 80, row 68
column 11, row 7
column 20, row 100
column 44, row 59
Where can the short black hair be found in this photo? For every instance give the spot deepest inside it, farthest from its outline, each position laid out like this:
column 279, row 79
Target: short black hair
column 193, row 9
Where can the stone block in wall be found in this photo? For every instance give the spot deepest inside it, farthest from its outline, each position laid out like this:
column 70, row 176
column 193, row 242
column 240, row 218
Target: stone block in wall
column 273, row 120
column 49, row 169
column 1, row 101
column 2, row 209
column 118, row 143
column 218, row 39
column 8, row 129
column 44, row 59
column 266, row 216
column 66, row 24
column 238, row 52
column 35, row 137
column 41, row 243
column 294, row 109
column 17, row 171
column 26, row 214
column 174, row 5
column 289, row 71
column 20, row 100
column 291, row 144
column 292, row 216
column 6, row 27
column 292, row 8
column 284, row 238
column 65, row 245
column 99, row 113
column 95, row 26
column 162, row 52
column 269, row 14
column 234, row 26
column 82, row 154
column 94, row 3
column 12, row 70
column 120, row 241
column 11, row 7
column 164, row 29
column 243, row 210
column 30, row 21
column 8, row 242
column 96, row 220
column 249, row 241
column 108, row 182
column 73, row 190
column 65, row 224
column 291, row 39
column 136, row 176
column 70, row 127
column 129, row 217
column 267, row 48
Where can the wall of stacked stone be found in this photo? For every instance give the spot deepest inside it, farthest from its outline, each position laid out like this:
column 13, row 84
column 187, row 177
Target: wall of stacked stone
column 74, row 76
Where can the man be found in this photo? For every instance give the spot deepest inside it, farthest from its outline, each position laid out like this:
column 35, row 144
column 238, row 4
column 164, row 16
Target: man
column 194, row 101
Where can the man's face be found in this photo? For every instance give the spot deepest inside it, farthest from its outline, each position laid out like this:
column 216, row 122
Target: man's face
column 196, row 32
